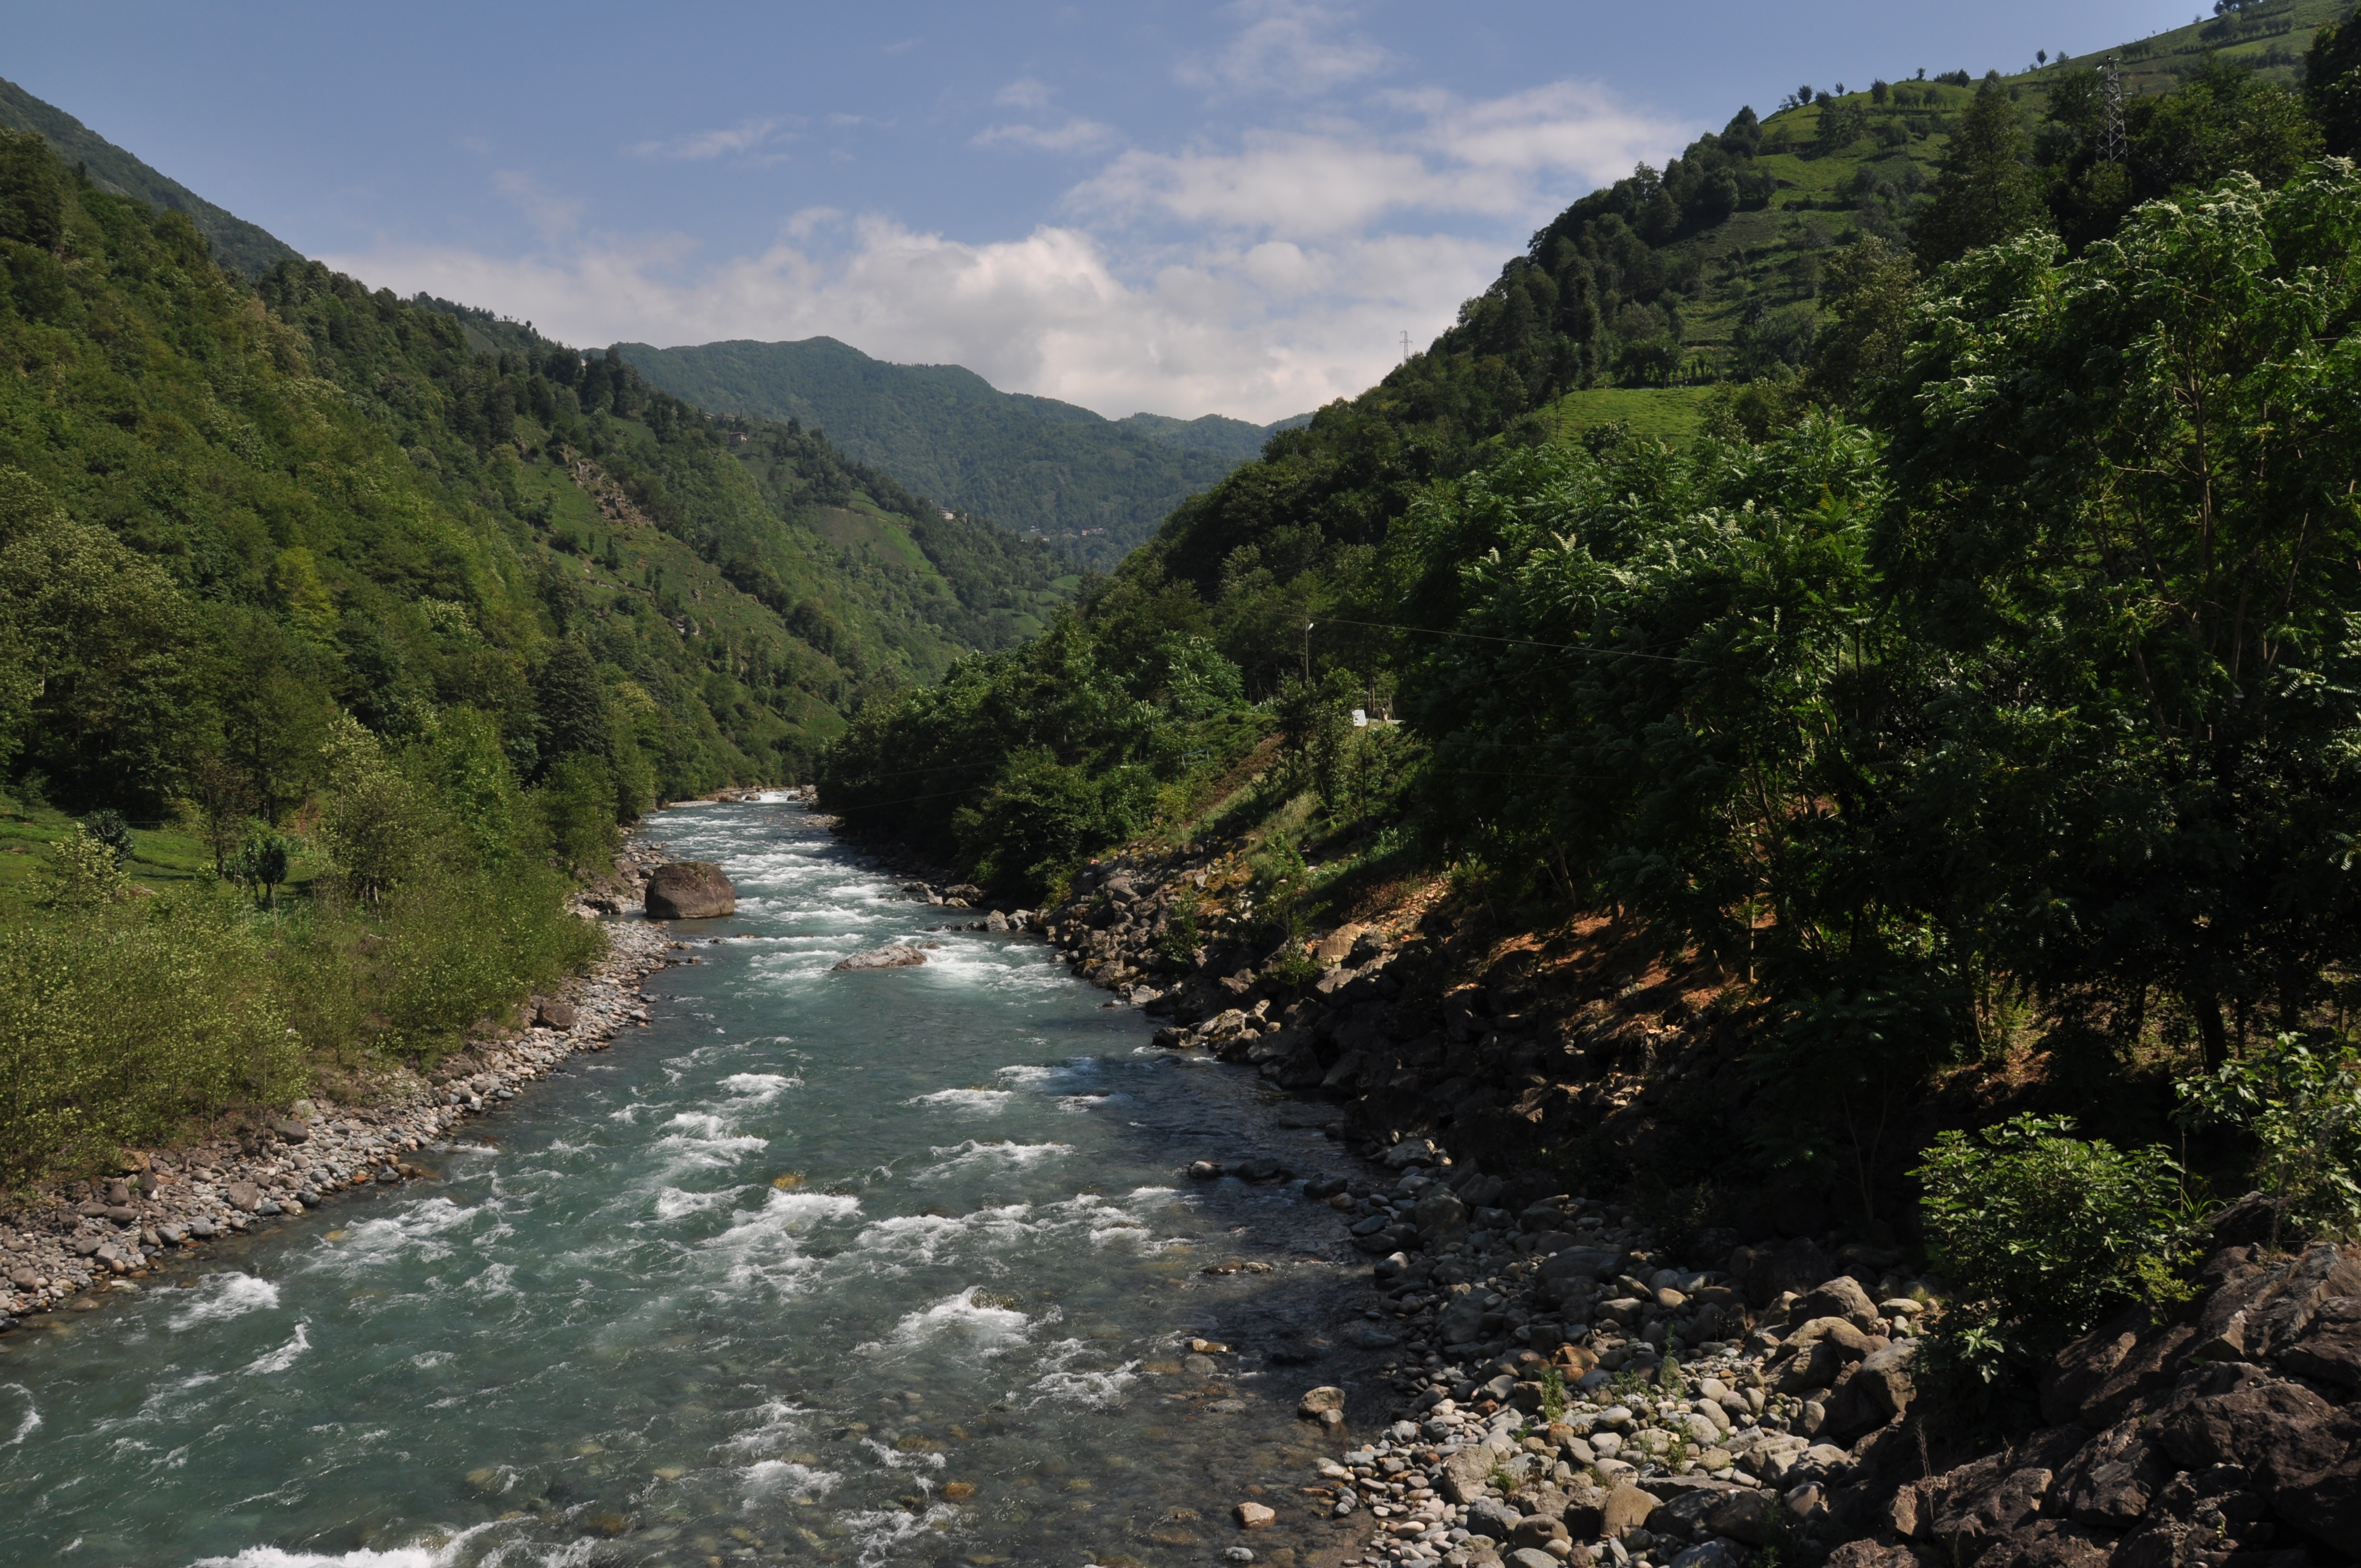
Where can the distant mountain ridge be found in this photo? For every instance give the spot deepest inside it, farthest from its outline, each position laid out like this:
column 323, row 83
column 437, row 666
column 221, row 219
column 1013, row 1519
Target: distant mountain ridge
column 244, row 247
column 1095, row 486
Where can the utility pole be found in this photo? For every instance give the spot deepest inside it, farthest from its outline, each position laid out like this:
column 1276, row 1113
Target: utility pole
column 1405, row 337
column 2111, row 131
column 1307, row 652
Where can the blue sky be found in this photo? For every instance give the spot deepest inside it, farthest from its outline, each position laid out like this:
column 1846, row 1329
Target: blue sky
column 1186, row 209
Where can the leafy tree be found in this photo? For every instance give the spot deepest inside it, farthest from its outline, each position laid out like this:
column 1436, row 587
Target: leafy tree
column 109, row 829
column 226, row 800
column 375, row 825
column 576, row 803
column 32, row 191
column 1038, row 815
column 109, row 646
column 1986, row 193
column 570, row 703
column 262, row 862
column 2302, row 1105
column 2140, row 591
column 1869, row 290
column 2331, row 76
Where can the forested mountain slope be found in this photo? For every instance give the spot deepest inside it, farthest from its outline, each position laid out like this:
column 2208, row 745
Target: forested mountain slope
column 245, row 246
column 394, row 608
column 328, row 498
column 1094, row 486
column 1959, row 724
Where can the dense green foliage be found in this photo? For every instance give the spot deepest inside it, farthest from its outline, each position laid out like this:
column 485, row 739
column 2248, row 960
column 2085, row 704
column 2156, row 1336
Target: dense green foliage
column 2019, row 696
column 1094, row 487
column 234, row 511
column 2040, row 1233
column 395, row 607
column 128, row 1015
column 1018, row 763
column 237, row 244
column 2300, row 1104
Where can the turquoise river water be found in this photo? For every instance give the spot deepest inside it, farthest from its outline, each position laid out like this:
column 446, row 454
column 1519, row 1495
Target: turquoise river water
column 894, row 1267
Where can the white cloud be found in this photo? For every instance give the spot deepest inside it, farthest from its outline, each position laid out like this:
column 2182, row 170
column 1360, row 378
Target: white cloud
column 1025, row 92
column 1077, row 135
column 1289, row 47
column 746, row 136
column 1257, row 332
column 1258, row 279
column 1497, row 157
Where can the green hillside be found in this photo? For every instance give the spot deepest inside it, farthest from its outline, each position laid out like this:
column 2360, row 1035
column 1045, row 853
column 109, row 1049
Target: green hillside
column 338, row 632
column 341, row 503
column 1743, row 286
column 240, row 245
column 1093, row 486
column 1813, row 602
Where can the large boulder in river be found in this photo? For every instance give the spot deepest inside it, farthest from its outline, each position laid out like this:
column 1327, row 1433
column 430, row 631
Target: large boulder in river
column 895, row 956
column 690, row 889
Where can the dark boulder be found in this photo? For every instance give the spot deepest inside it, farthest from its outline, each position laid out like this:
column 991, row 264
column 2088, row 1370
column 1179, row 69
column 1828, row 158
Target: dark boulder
column 689, row 889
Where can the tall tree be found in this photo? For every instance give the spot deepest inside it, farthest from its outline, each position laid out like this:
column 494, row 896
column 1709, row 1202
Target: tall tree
column 1869, row 288
column 1987, row 192
column 2331, row 74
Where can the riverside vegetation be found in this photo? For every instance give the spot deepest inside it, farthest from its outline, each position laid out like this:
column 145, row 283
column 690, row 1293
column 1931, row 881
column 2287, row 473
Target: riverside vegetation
column 1957, row 729
column 1960, row 728
column 349, row 628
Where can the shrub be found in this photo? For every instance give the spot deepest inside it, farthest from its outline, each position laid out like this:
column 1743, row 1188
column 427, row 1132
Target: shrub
column 2040, row 1232
column 83, row 873
column 118, row 1023
column 2302, row 1108
column 1181, row 936
column 110, row 829
column 261, row 861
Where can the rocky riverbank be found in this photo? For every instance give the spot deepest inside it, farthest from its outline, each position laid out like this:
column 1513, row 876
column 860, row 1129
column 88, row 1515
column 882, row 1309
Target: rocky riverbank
column 1573, row 1388
column 70, row 1244
column 1568, row 1384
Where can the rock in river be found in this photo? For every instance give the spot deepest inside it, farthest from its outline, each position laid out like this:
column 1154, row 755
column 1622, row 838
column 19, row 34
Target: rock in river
column 689, row 889
column 893, row 956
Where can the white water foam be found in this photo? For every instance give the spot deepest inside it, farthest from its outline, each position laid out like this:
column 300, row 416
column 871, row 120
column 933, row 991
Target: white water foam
column 285, row 1356
column 1097, row 1390
column 880, row 1531
column 764, row 1246
column 673, row 1203
column 439, row 1550
column 702, row 1139
column 985, row 1328
column 32, row 1418
column 974, row 1154
column 227, row 1296
column 910, row 1239
column 966, row 1099
column 371, row 1246
column 772, row 1479
column 760, row 1088
column 1024, row 1073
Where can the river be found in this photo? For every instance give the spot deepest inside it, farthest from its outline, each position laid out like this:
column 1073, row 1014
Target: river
column 894, row 1266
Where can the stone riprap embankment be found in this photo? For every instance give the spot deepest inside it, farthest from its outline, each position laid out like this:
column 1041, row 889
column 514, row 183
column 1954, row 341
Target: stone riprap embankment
column 73, row 1241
